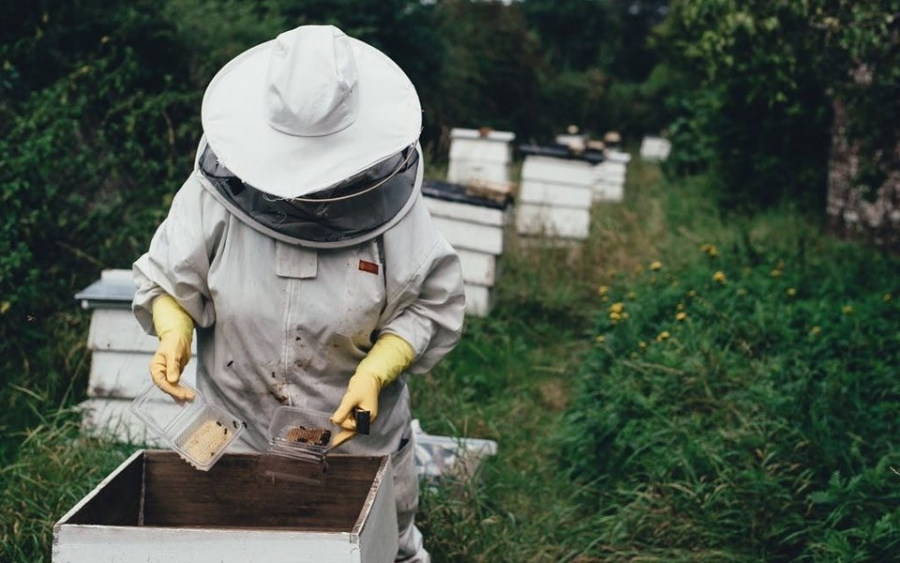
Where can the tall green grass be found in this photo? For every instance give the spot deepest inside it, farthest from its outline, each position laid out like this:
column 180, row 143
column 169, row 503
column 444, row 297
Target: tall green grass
column 689, row 385
column 762, row 428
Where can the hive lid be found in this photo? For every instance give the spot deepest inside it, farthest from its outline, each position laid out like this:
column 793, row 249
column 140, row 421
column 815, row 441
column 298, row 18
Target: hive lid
column 114, row 289
column 457, row 193
column 560, row 151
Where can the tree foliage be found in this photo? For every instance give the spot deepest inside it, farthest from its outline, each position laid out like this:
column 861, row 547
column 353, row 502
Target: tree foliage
column 757, row 82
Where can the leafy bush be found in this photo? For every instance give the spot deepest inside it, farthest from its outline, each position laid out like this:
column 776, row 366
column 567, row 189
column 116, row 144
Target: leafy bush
column 90, row 157
column 758, row 80
column 745, row 400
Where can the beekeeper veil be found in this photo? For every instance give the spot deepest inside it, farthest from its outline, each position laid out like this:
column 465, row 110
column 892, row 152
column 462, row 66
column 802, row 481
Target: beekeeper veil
column 313, row 137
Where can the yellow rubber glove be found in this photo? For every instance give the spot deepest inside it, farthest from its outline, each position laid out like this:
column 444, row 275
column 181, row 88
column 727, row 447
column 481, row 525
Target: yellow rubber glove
column 175, row 329
column 384, row 363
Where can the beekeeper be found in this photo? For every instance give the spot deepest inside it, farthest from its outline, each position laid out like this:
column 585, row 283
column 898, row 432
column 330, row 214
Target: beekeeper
column 301, row 251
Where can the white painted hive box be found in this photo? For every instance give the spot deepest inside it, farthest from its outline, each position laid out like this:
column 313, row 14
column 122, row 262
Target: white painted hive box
column 655, row 149
column 120, row 358
column 609, row 181
column 156, row 508
column 476, row 228
column 479, row 155
column 555, row 197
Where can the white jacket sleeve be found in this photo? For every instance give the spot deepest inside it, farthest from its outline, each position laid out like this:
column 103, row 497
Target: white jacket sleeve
column 178, row 259
column 426, row 298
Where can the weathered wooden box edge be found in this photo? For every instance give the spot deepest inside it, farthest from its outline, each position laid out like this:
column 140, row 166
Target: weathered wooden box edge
column 372, row 538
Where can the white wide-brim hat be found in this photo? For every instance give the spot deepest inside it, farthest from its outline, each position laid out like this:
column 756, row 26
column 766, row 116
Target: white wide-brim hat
column 309, row 109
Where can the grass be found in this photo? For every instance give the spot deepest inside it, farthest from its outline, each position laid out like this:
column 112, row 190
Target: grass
column 761, row 428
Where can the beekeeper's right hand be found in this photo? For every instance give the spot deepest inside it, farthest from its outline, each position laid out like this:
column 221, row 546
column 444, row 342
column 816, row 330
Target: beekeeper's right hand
column 175, row 329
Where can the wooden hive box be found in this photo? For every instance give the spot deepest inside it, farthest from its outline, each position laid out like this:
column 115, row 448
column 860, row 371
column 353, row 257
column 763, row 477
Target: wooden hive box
column 120, row 358
column 157, row 508
column 476, row 228
column 555, row 197
column 479, row 155
column 655, row 149
column 610, row 181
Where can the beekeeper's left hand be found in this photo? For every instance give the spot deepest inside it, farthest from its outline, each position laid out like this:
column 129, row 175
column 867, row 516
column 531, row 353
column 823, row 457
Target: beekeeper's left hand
column 384, row 363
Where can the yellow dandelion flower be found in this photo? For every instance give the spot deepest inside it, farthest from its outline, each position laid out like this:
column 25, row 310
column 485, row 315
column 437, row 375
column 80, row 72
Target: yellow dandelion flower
column 719, row 277
column 680, row 306
column 663, row 336
column 603, row 290
column 680, row 316
column 776, row 273
column 656, row 265
column 617, row 307
column 600, row 339
column 692, row 293
column 791, row 292
column 642, row 344
column 847, row 309
column 709, row 249
column 886, row 297
column 815, row 330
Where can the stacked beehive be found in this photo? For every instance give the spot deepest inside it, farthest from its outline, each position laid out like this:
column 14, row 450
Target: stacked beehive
column 479, row 154
column 655, row 149
column 475, row 226
column 610, row 174
column 556, row 192
column 120, row 360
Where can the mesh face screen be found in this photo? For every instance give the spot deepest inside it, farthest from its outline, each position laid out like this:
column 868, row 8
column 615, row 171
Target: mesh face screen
column 344, row 212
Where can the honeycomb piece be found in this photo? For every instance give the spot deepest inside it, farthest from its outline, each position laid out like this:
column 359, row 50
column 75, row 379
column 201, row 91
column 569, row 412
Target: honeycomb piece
column 208, row 440
column 303, row 435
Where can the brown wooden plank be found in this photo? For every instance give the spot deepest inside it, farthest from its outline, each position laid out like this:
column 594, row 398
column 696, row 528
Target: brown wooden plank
column 118, row 502
column 236, row 494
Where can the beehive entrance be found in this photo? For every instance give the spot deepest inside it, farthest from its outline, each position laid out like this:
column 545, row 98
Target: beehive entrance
column 159, row 489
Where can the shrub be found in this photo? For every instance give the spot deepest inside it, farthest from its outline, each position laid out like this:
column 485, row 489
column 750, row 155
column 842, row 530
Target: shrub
column 746, row 401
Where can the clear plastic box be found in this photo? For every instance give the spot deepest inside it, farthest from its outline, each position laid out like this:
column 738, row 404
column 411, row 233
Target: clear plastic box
column 198, row 431
column 301, row 433
column 299, row 440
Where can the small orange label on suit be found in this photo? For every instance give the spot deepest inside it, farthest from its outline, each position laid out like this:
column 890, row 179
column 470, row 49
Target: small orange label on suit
column 370, row 267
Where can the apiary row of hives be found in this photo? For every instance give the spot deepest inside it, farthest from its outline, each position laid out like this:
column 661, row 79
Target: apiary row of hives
column 479, row 204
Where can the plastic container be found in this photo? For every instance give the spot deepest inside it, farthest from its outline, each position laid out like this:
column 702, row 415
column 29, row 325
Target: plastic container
column 445, row 456
column 198, row 431
column 301, row 433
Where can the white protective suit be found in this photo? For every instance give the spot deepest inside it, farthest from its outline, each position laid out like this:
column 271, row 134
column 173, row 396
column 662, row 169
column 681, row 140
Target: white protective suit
column 282, row 324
